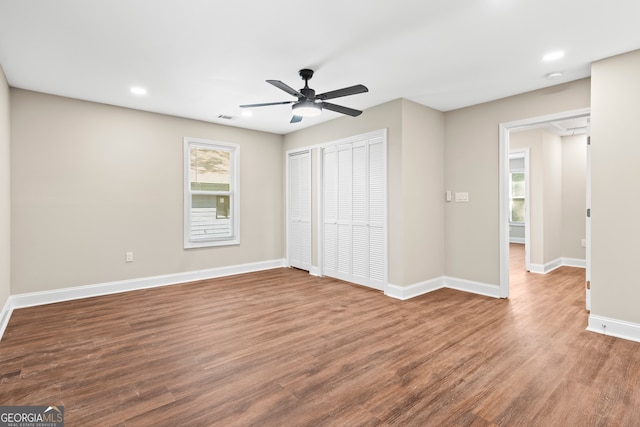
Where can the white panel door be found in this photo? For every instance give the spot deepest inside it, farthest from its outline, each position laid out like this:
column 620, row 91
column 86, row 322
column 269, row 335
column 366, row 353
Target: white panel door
column 354, row 211
column 299, row 215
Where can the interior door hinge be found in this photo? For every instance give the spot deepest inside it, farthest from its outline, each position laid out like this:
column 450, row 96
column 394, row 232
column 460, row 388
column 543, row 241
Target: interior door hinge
column 588, row 213
column 588, row 140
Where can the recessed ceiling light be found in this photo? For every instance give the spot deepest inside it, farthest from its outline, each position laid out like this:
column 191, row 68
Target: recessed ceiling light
column 247, row 113
column 137, row 90
column 553, row 56
column 554, row 75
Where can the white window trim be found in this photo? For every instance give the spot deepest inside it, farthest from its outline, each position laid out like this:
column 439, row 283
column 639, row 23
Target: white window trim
column 234, row 239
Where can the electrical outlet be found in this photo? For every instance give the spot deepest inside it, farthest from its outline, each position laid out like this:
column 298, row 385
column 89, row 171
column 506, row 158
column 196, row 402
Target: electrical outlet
column 583, row 242
column 129, row 257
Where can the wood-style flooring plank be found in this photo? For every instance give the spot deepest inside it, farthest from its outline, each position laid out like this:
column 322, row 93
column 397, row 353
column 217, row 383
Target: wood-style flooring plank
column 281, row 347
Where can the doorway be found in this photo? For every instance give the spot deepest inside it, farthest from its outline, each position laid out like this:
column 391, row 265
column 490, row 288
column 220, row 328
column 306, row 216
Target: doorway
column 505, row 133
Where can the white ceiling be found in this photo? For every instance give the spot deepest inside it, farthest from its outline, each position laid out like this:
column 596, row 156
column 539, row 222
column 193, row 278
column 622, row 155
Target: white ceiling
column 203, row 58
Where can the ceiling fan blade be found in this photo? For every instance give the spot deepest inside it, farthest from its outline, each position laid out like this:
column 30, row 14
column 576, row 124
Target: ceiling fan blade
column 352, row 90
column 284, row 87
column 340, row 109
column 296, row 119
column 266, row 104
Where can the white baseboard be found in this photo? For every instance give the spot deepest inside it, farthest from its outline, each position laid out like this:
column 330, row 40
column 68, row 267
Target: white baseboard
column 5, row 315
column 557, row 263
column 67, row 294
column 574, row 262
column 613, row 327
column 411, row 291
column 417, row 289
column 546, row 268
column 473, row 287
column 78, row 292
column 314, row 271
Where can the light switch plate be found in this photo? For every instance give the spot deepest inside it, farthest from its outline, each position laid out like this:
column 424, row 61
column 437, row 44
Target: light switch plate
column 462, row 197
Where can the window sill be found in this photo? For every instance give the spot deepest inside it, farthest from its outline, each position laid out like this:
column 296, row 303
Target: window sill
column 210, row 244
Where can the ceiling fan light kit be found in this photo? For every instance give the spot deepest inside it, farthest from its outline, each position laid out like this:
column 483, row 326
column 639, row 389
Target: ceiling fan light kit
column 306, row 108
column 309, row 104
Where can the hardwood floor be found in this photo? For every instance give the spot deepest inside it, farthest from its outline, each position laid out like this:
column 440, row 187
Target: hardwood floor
column 282, row 348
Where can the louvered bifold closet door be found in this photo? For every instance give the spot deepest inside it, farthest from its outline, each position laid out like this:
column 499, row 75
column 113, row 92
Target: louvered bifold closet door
column 299, row 244
column 354, row 212
column 330, row 211
column 360, row 215
column 344, row 213
column 377, row 191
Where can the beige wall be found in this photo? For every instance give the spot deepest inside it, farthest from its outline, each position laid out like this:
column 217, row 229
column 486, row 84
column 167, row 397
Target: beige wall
column 552, row 196
column 5, row 193
column 472, row 247
column 422, row 193
column 91, row 182
column 615, row 148
column 415, row 147
column 574, row 200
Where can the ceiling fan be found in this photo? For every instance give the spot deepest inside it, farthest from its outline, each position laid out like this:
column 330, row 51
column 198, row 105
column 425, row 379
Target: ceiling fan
column 309, row 104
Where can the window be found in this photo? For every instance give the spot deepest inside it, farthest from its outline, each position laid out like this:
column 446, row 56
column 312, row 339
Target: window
column 516, row 197
column 211, row 202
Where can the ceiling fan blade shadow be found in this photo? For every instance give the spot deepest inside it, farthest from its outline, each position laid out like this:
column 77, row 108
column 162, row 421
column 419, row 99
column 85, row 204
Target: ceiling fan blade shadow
column 296, row 119
column 340, row 109
column 266, row 104
column 352, row 90
column 286, row 88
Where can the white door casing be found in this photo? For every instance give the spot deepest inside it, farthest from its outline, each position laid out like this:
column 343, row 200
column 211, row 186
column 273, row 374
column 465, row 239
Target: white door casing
column 588, row 223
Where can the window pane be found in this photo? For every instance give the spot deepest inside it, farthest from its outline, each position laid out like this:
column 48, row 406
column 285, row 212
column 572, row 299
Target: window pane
column 206, row 222
column 209, row 170
column 517, row 185
column 517, row 210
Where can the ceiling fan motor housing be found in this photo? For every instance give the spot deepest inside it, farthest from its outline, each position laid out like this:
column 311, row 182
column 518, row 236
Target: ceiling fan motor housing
column 308, row 92
column 306, row 74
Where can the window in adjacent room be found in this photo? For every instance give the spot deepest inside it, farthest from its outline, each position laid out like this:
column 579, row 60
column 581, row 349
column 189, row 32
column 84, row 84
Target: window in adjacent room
column 212, row 214
column 516, row 196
